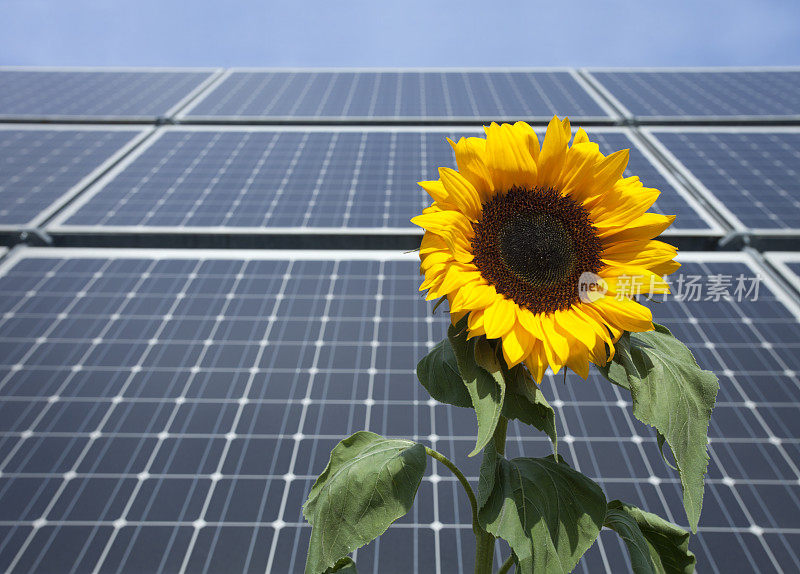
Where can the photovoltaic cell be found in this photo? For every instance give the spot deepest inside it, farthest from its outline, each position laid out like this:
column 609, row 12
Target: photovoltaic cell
column 164, row 410
column 41, row 167
column 704, row 94
column 35, row 94
column 249, row 95
column 751, row 175
column 266, row 179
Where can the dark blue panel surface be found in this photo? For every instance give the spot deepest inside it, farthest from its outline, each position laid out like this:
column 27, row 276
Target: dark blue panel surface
column 672, row 94
column 300, row 179
column 457, row 94
column 753, row 174
column 94, row 94
column 196, row 446
column 40, row 166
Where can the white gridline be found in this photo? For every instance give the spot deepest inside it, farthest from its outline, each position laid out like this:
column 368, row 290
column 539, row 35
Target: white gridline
column 570, row 438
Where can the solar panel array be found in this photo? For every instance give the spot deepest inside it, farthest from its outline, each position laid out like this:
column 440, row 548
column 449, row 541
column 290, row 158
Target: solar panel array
column 330, row 178
column 109, row 95
column 752, row 175
column 172, row 410
column 661, row 95
column 167, row 410
column 42, row 167
column 410, row 95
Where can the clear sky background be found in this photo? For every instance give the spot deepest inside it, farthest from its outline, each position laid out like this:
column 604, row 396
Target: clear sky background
column 399, row 33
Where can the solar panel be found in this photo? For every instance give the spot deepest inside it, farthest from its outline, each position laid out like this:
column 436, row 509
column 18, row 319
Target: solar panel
column 35, row 94
column 43, row 167
column 685, row 95
column 251, row 95
column 273, row 179
column 748, row 174
column 168, row 410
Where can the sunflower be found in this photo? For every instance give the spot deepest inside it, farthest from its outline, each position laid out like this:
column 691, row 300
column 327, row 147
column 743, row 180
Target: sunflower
column 513, row 233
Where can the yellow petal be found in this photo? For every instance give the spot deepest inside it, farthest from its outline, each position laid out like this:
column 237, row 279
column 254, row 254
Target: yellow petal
column 642, row 252
column 435, row 189
column 579, row 360
column 577, row 178
column 499, row 318
column 580, row 137
column 475, row 321
column 610, row 169
column 456, row 276
column 556, row 345
column 461, row 192
column 456, row 317
column 516, row 345
column 431, row 243
column 615, row 210
column 646, row 226
column 625, row 314
column 509, row 158
column 470, row 158
column 537, row 362
column 554, row 154
column 453, row 227
column 526, row 134
column 475, row 295
column 570, row 323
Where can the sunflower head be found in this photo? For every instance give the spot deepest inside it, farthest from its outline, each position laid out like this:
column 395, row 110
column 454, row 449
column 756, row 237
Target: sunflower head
column 519, row 228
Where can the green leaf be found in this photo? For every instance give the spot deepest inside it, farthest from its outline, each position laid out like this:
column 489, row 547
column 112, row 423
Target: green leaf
column 486, row 392
column 548, row 513
column 343, row 566
column 655, row 545
column 525, row 402
column 671, row 393
column 438, row 373
column 369, row 483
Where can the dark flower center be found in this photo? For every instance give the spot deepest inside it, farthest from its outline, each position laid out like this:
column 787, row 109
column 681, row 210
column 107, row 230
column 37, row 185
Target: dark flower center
column 533, row 245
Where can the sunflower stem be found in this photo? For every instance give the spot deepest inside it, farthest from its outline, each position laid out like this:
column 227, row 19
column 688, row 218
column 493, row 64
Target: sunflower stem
column 484, row 548
column 464, row 482
column 500, row 436
column 484, row 553
column 506, row 567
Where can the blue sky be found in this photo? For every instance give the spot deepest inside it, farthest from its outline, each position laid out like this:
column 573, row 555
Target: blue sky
column 398, row 33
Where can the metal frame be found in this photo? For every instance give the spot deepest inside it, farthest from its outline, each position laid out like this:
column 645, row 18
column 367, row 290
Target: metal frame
column 184, row 116
column 780, row 261
column 139, row 134
column 650, row 134
column 25, row 252
column 683, row 120
column 58, row 226
column 213, row 74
